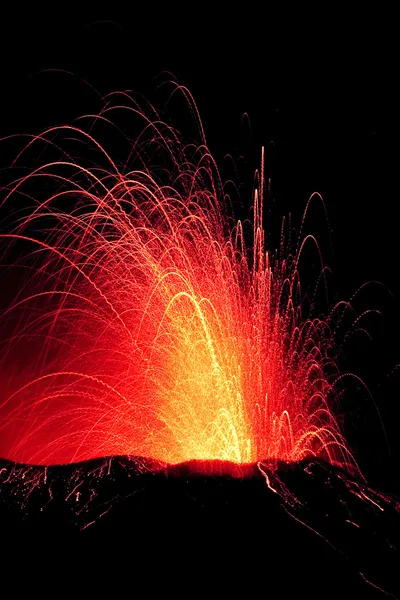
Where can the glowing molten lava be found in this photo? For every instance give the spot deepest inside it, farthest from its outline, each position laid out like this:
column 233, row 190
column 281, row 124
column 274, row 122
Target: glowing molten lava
column 145, row 323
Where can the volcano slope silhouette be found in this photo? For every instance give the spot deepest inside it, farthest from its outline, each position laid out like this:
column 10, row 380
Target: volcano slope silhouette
column 287, row 529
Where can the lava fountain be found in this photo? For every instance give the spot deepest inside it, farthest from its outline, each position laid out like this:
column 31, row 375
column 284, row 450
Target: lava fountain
column 143, row 320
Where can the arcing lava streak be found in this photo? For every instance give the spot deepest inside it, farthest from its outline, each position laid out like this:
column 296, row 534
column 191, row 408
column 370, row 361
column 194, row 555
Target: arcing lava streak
column 143, row 321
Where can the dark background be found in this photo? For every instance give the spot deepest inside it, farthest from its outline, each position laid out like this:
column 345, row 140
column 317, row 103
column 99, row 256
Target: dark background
column 321, row 96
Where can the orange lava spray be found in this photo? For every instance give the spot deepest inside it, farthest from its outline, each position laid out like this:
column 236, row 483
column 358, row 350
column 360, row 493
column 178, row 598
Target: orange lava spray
column 145, row 323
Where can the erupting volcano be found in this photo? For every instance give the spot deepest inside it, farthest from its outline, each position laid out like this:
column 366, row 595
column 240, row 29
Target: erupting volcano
column 146, row 321
column 163, row 372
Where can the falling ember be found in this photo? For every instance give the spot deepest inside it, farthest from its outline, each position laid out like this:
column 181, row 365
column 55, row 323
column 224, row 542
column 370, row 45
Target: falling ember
column 144, row 323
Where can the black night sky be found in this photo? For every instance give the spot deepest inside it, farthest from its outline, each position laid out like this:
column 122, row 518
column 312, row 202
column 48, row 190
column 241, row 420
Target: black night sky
column 323, row 101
